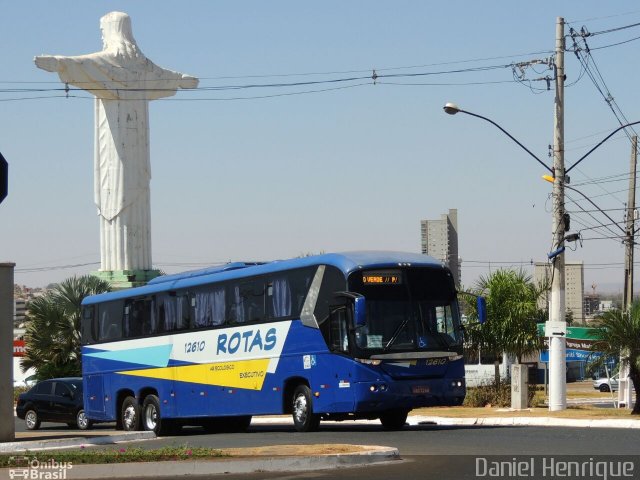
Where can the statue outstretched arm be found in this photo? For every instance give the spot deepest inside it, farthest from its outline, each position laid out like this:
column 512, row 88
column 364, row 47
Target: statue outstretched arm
column 47, row 62
column 188, row 81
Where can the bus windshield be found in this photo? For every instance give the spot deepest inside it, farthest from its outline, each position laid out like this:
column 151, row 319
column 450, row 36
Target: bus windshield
column 408, row 310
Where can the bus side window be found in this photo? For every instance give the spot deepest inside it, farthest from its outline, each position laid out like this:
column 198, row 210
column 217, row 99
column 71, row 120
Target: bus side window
column 256, row 295
column 184, row 311
column 279, row 301
column 174, row 312
column 88, row 330
column 247, row 301
column 339, row 333
column 139, row 318
column 110, row 321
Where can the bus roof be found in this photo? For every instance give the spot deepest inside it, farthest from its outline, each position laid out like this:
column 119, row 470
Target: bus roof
column 347, row 262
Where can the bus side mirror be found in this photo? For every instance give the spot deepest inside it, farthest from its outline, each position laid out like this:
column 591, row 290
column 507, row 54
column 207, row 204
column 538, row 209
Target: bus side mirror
column 482, row 309
column 359, row 312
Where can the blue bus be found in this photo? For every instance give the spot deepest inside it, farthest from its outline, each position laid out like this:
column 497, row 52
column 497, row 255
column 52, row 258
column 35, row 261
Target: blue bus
column 359, row 335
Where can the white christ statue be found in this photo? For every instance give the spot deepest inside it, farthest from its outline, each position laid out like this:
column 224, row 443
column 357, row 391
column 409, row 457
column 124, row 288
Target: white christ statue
column 123, row 81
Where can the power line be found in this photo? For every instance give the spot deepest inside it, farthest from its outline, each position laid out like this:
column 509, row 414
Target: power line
column 52, row 268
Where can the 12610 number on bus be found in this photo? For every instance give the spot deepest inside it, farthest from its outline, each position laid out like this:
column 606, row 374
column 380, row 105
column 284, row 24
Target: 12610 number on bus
column 193, row 347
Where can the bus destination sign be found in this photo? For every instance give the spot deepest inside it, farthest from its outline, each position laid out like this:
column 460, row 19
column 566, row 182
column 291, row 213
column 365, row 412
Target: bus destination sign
column 382, row 277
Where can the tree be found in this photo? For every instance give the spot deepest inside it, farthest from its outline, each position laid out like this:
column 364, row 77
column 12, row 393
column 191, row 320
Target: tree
column 512, row 314
column 568, row 317
column 53, row 330
column 618, row 334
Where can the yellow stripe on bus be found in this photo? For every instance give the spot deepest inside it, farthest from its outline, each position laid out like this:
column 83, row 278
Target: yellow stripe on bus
column 247, row 374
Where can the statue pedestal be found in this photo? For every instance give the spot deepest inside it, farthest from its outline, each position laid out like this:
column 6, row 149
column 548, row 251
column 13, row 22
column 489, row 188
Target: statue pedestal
column 121, row 279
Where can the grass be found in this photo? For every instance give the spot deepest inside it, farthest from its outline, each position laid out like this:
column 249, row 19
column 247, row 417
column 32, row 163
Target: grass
column 122, row 455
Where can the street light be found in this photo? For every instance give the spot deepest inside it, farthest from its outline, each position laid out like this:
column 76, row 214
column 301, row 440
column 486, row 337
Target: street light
column 452, row 109
column 556, row 326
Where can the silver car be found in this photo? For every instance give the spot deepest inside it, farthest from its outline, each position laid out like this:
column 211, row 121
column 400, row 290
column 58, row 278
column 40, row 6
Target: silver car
column 606, row 384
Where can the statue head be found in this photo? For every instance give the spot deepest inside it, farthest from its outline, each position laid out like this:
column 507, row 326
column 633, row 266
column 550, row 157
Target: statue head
column 117, row 34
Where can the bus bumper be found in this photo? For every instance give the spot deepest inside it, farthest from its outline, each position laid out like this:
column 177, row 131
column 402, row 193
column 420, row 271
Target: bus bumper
column 409, row 394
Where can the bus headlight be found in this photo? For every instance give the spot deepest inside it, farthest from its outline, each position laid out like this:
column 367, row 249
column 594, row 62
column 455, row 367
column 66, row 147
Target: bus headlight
column 368, row 361
column 378, row 388
column 457, row 383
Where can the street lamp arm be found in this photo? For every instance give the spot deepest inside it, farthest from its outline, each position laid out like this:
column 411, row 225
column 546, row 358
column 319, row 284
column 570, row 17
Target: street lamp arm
column 596, row 206
column 508, row 135
column 603, row 140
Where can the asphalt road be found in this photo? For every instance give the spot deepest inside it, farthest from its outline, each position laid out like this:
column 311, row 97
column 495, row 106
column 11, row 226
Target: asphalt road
column 412, row 440
column 435, row 452
column 427, row 451
column 60, row 427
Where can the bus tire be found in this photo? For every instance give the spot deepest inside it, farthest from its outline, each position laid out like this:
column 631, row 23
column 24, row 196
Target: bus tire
column 304, row 419
column 130, row 414
column 152, row 420
column 394, row 419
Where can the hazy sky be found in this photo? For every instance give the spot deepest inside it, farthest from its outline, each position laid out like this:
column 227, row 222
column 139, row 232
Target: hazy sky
column 260, row 173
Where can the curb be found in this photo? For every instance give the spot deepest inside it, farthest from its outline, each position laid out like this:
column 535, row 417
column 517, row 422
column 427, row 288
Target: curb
column 174, row 469
column 422, row 420
column 526, row 421
column 54, row 443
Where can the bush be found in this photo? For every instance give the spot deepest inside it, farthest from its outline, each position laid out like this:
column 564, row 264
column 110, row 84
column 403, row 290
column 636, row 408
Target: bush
column 17, row 391
column 490, row 395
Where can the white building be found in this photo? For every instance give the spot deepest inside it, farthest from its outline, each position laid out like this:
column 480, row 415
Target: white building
column 574, row 286
column 440, row 240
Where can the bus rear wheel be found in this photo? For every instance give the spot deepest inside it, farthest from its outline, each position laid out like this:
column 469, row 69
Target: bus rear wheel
column 130, row 414
column 152, row 419
column 304, row 419
column 394, row 419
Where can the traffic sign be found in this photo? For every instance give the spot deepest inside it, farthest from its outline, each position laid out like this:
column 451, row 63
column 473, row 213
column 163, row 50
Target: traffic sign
column 555, row 329
column 4, row 178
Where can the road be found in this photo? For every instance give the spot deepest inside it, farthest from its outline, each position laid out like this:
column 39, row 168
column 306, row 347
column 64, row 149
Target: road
column 427, row 451
column 430, row 451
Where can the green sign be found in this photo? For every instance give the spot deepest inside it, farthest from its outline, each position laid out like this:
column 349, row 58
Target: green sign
column 578, row 347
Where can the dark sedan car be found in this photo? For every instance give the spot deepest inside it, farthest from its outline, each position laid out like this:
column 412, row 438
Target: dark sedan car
column 55, row 400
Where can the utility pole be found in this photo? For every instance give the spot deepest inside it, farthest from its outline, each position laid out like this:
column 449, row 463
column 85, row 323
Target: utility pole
column 624, row 390
column 629, row 241
column 7, row 428
column 557, row 326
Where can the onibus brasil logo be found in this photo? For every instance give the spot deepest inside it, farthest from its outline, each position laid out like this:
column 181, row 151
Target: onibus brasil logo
column 32, row 468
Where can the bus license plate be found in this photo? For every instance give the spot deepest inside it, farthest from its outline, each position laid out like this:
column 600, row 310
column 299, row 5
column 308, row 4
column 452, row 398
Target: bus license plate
column 420, row 389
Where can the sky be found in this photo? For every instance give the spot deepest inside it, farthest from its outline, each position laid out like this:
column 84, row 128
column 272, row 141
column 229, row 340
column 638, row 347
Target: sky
column 326, row 158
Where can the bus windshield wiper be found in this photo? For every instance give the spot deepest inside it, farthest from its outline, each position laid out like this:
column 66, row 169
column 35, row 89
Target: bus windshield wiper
column 440, row 337
column 395, row 335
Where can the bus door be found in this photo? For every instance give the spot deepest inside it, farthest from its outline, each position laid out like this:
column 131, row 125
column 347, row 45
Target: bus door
column 341, row 368
column 94, row 396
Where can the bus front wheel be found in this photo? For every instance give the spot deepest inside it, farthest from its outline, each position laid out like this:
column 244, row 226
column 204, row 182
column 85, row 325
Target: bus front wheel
column 304, row 419
column 130, row 414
